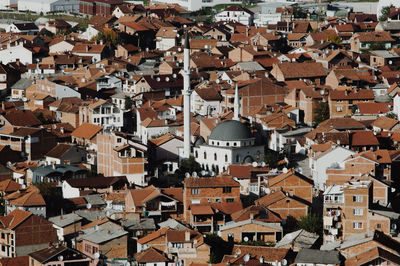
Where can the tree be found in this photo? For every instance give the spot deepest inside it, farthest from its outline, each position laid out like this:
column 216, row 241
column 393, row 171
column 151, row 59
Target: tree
column 311, row 223
column 391, row 115
column 128, row 103
column 385, row 12
column 109, row 35
column 219, row 247
column 189, row 166
column 299, row 12
column 272, row 158
column 321, row 113
column 334, row 39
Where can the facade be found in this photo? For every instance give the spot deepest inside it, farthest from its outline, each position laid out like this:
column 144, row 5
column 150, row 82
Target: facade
column 98, row 7
column 49, row 6
column 102, row 113
column 117, row 156
column 194, row 5
column 231, row 142
column 236, row 14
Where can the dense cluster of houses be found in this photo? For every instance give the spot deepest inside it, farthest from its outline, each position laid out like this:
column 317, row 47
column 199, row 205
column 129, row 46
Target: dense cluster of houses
column 147, row 138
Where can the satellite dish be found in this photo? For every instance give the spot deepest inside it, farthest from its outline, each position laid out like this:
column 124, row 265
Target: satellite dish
column 217, row 81
column 255, row 164
column 24, row 99
column 203, row 172
column 179, row 49
column 285, row 170
column 158, row 79
column 262, row 259
column 88, row 206
column 167, row 79
column 300, row 170
column 174, row 76
column 107, row 213
column 337, row 213
column 393, row 189
column 263, row 164
column 246, row 239
column 96, row 227
column 194, row 174
column 246, row 257
column 97, row 255
column 212, row 173
column 187, row 175
column 284, row 262
column 267, row 191
column 394, row 226
column 60, row 258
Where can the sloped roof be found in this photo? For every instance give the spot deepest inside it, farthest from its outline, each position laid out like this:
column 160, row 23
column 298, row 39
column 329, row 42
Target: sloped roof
column 208, row 182
column 292, row 70
column 14, row 218
column 86, row 131
column 150, row 255
column 384, row 122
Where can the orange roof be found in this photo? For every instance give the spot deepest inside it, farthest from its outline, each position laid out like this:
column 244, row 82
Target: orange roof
column 160, row 232
column 150, row 255
column 277, row 179
column 14, row 218
column 197, row 209
column 163, row 139
column 384, row 122
column 86, row 131
column 209, row 182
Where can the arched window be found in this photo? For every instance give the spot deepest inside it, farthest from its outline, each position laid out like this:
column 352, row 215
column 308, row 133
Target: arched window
column 215, row 156
column 226, row 157
column 227, row 144
column 234, row 144
column 205, row 155
column 237, row 158
column 196, row 154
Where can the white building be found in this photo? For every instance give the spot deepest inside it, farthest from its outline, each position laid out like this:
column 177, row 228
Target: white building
column 7, row 4
column 46, row 6
column 231, row 142
column 206, row 102
column 28, row 28
column 236, row 14
column 266, row 19
column 396, row 105
column 328, row 159
column 102, row 113
column 194, row 5
column 18, row 51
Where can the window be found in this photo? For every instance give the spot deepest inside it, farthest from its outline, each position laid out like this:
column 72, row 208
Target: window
column 226, row 157
column 119, row 140
column 358, row 212
column 229, row 200
column 339, row 109
column 195, row 191
column 357, row 225
column 378, row 226
column 196, row 154
column 205, row 155
column 227, row 190
column 237, row 158
column 215, row 156
column 357, row 198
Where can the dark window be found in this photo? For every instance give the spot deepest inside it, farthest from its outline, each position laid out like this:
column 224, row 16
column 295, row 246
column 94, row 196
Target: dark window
column 227, row 190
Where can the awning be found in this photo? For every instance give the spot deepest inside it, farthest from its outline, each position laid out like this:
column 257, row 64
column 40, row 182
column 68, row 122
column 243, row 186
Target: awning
column 201, row 210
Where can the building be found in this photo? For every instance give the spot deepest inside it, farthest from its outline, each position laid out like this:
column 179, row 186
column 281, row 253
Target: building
column 118, row 156
column 362, row 41
column 23, row 232
column 67, row 226
column 28, row 199
column 194, row 5
column 49, row 6
column 102, row 113
column 236, row 14
column 98, row 7
column 346, row 211
column 28, row 28
column 230, row 142
column 201, row 193
column 57, row 253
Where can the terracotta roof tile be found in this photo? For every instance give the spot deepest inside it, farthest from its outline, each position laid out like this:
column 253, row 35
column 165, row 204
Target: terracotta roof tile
column 86, row 131
column 384, row 122
column 150, row 255
column 209, row 182
column 293, row 70
column 14, row 218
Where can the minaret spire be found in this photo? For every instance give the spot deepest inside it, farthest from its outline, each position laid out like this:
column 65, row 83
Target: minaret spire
column 236, row 104
column 186, row 97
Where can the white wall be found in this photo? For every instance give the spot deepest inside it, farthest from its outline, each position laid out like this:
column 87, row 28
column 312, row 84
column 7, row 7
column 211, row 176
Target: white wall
column 12, row 53
column 68, row 191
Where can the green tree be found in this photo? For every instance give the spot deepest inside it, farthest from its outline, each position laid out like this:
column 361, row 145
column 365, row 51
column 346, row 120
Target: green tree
column 311, row 223
column 189, row 166
column 128, row 103
column 272, row 158
column 2, row 206
column 299, row 12
column 321, row 112
column 334, row 39
column 385, row 13
column 219, row 247
column 391, row 115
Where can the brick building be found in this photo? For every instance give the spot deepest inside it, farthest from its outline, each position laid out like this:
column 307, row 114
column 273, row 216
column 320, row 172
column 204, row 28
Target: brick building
column 23, row 232
column 118, row 156
column 98, row 7
column 346, row 211
column 201, row 196
column 341, row 102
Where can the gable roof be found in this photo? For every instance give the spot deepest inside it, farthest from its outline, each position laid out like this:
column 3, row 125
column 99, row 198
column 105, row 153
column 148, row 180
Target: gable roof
column 372, row 254
column 210, row 182
column 150, row 255
column 292, row 70
column 14, row 218
column 384, row 122
column 279, row 178
column 22, row 118
column 86, row 131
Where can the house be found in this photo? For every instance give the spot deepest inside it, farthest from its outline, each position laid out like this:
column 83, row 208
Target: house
column 67, row 226
column 67, row 110
column 23, row 232
column 287, row 205
column 317, row 257
column 347, row 214
column 28, row 199
column 236, row 14
column 314, row 72
column 257, row 254
column 26, row 28
column 119, row 156
column 297, row 240
column 341, row 102
column 152, row 202
column 96, row 51
column 74, row 187
column 66, row 153
column 56, row 253
column 294, row 183
column 8, row 186
column 383, row 58
column 86, row 134
column 19, row 118
column 17, row 52
column 376, row 40
column 150, row 257
column 336, row 58
column 254, row 223
column 165, row 150
column 8, row 77
column 200, row 193
column 186, row 245
column 55, row 173
column 103, row 7
column 206, row 101
column 374, row 255
column 166, row 37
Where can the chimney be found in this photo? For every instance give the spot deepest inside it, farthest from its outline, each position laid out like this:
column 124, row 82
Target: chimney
column 187, row 236
column 251, row 215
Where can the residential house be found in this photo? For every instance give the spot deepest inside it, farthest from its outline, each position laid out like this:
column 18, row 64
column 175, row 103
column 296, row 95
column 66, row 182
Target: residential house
column 185, row 245
column 206, row 101
column 236, row 14
column 86, row 135
column 28, row 199
column 102, row 113
column 374, row 255
column 317, row 257
column 288, row 206
column 376, row 40
column 66, row 153
column 151, row 257
column 119, row 156
column 56, row 253
column 166, row 38
column 26, row 28
column 342, row 102
column 23, row 232
column 67, row 226
column 383, row 58
column 314, row 72
column 164, row 149
column 298, row 240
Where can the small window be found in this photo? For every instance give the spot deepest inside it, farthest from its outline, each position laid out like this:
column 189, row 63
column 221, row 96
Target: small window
column 215, row 156
column 205, row 155
column 378, row 226
column 226, row 157
column 358, row 212
column 357, row 225
column 195, row 191
column 357, row 198
column 227, row 190
column 229, row 200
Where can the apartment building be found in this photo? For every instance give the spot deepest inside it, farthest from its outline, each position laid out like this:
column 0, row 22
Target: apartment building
column 119, row 156
column 341, row 102
column 202, row 194
column 102, row 113
column 346, row 211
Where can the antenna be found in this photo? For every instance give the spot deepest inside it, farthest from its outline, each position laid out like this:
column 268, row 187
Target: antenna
column 97, row 255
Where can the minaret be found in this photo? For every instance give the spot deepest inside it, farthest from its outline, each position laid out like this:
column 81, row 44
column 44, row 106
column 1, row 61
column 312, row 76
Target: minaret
column 236, row 105
column 186, row 98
